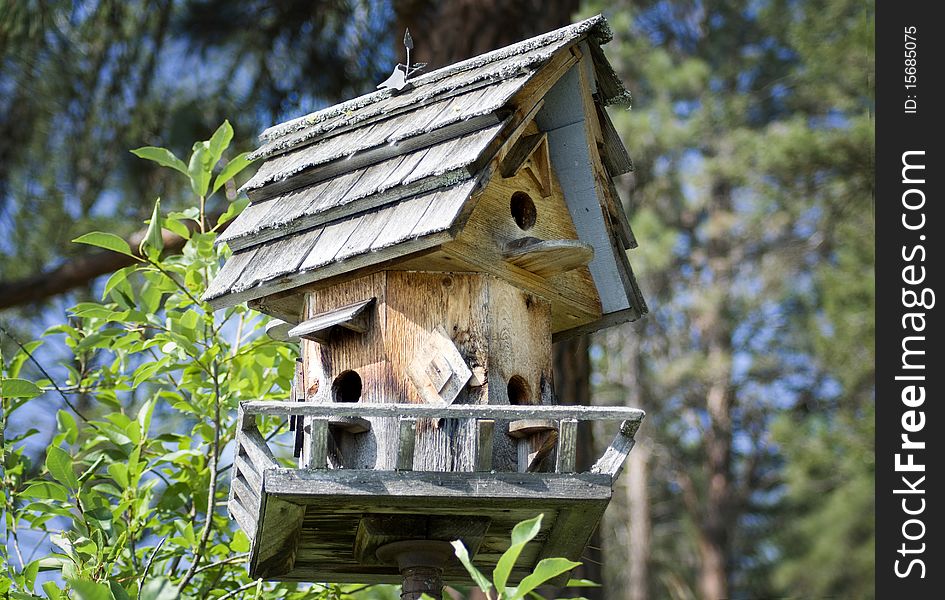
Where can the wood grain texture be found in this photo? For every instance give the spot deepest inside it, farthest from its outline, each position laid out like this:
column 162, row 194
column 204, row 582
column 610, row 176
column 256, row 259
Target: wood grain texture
column 440, row 489
column 484, row 444
column 278, row 536
column 548, row 257
column 363, row 353
column 439, row 372
column 491, row 227
column 498, row 412
column 353, row 317
column 611, row 463
column 516, row 156
column 418, row 303
column 407, row 440
column 315, row 450
column 567, row 446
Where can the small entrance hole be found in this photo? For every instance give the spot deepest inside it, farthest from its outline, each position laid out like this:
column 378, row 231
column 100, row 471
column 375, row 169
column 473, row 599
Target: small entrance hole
column 523, row 210
column 519, row 393
column 346, row 387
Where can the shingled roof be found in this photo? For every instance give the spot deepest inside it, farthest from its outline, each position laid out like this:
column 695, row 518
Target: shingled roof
column 388, row 169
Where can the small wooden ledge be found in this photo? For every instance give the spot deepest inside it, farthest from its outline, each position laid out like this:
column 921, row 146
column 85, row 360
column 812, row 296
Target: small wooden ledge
column 526, row 427
column 548, row 257
column 278, row 330
column 353, row 317
column 349, row 424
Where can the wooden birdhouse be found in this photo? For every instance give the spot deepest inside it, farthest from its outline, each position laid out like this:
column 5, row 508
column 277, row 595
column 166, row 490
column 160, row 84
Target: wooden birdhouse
column 425, row 246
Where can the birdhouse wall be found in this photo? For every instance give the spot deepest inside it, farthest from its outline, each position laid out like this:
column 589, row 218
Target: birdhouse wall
column 500, row 218
column 500, row 333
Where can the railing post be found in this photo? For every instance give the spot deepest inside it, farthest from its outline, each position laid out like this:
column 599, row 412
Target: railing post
column 567, row 445
column 315, row 452
column 406, row 443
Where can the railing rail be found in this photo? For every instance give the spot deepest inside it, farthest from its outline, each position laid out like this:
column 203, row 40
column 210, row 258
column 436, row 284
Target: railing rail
column 454, row 411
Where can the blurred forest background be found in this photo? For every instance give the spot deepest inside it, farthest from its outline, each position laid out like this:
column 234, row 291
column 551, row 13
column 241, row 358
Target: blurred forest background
column 752, row 135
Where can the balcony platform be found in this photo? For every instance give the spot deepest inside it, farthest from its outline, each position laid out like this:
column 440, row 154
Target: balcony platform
column 321, row 524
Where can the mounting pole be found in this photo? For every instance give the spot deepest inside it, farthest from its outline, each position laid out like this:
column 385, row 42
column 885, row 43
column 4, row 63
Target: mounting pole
column 421, row 565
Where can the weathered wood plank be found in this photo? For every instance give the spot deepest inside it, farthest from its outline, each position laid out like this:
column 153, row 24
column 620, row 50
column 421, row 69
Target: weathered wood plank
column 332, row 238
column 278, row 330
column 567, row 446
column 349, row 424
column 242, row 517
column 443, row 210
column 455, row 411
column 316, row 163
column 245, row 469
column 247, row 495
column 353, row 317
column 611, row 463
column 315, row 453
column 484, row 441
column 517, row 155
column 534, row 449
column 548, row 257
column 571, row 533
column 278, row 258
column 613, row 153
column 525, row 427
column 229, row 273
column 255, row 447
column 407, row 441
column 438, row 371
column 402, row 220
column 418, row 303
column 492, row 489
column 280, row 531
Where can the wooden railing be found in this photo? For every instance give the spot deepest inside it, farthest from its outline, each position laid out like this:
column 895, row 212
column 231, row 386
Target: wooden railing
column 316, row 420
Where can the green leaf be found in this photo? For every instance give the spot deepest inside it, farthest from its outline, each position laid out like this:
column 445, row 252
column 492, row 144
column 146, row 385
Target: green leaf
column 220, row 141
column 144, row 415
column 114, row 279
column 59, row 465
column 239, row 543
column 46, row 490
column 159, row 588
column 117, row 591
column 88, row 590
column 581, row 583
column 463, row 555
column 23, row 355
column 232, row 169
column 29, row 574
column 19, row 388
column 199, row 168
column 153, row 239
column 52, row 590
column 522, row 533
column 119, row 472
column 66, row 424
column 233, row 211
column 109, row 241
column 161, row 156
column 545, row 570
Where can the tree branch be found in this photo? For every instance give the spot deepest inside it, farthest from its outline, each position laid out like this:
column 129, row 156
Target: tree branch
column 82, row 269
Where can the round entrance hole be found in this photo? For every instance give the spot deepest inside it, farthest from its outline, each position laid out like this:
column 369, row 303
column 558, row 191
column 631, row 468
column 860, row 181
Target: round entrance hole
column 523, row 210
column 519, row 392
column 346, row 387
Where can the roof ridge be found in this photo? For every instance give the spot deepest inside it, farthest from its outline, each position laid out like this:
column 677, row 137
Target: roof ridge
column 596, row 25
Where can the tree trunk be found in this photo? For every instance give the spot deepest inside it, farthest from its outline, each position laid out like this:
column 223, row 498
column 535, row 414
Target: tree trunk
column 639, row 525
